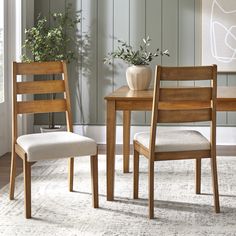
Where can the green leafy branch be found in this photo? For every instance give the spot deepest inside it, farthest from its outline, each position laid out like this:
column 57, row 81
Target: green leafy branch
column 141, row 56
column 53, row 42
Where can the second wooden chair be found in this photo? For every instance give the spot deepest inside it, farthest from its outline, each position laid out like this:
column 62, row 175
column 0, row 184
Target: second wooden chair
column 178, row 105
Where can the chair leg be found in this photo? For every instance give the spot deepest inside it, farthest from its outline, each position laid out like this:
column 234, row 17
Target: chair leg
column 71, row 174
column 136, row 175
column 215, row 184
column 151, row 188
column 94, row 178
column 12, row 175
column 198, row 176
column 27, row 185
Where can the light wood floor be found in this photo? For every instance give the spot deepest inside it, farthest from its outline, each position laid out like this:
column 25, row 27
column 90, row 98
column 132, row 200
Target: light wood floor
column 5, row 161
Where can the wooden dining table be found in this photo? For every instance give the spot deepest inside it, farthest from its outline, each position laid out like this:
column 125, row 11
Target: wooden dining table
column 126, row 100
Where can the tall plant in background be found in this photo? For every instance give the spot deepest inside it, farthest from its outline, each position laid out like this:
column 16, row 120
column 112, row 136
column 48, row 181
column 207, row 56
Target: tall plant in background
column 53, row 40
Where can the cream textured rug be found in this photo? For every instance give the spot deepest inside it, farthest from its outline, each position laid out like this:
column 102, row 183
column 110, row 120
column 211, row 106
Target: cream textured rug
column 178, row 210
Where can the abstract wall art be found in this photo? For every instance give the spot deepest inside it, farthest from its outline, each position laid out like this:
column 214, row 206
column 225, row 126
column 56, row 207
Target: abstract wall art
column 219, row 34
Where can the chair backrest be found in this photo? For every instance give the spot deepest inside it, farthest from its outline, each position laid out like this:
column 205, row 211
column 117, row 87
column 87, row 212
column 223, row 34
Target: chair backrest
column 184, row 104
column 46, row 86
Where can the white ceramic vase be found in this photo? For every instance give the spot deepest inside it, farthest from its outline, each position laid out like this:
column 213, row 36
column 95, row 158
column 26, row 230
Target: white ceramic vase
column 139, row 77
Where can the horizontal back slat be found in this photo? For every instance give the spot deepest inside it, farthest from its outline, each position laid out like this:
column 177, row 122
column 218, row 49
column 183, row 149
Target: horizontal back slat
column 39, row 68
column 40, row 87
column 185, row 94
column 186, row 73
column 41, row 106
column 184, row 105
column 175, row 116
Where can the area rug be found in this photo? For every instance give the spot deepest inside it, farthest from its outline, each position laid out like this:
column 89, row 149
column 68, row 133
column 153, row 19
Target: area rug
column 178, row 211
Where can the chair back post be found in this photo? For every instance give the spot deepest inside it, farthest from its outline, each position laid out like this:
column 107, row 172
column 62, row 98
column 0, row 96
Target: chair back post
column 154, row 117
column 14, row 105
column 213, row 106
column 67, row 97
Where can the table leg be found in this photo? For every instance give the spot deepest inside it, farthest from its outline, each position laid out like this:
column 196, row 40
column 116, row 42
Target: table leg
column 126, row 140
column 111, row 142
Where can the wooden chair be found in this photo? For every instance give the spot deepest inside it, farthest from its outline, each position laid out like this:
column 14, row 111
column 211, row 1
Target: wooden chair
column 178, row 105
column 53, row 145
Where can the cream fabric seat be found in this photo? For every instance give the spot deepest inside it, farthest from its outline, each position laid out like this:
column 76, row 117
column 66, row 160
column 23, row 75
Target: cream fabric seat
column 176, row 140
column 53, row 145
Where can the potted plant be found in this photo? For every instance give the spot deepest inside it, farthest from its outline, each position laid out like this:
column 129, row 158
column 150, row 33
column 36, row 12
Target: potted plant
column 139, row 74
column 52, row 41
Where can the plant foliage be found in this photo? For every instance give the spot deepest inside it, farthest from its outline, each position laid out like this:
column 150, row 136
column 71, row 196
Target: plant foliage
column 52, row 41
column 128, row 54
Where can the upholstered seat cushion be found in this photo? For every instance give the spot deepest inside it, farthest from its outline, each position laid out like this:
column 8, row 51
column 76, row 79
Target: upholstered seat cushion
column 176, row 140
column 53, row 145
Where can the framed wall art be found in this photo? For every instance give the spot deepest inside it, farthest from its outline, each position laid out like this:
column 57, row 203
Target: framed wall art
column 219, row 34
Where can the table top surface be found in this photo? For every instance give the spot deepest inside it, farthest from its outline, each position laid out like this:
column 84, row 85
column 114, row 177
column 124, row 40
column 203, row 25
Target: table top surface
column 124, row 93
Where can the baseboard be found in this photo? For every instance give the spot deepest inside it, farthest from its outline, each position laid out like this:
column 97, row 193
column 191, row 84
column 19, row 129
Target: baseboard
column 225, row 135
